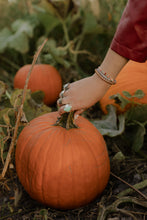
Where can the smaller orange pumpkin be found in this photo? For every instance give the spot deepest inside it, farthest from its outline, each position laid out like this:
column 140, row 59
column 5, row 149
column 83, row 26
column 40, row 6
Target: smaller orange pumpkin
column 131, row 78
column 44, row 77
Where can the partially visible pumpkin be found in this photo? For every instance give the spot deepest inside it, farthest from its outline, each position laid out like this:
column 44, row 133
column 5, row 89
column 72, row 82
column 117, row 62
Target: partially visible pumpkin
column 62, row 168
column 44, row 77
column 131, row 78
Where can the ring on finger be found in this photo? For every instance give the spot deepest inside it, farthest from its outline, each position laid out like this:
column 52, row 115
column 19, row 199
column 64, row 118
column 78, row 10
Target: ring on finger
column 60, row 101
column 61, row 95
column 66, row 86
column 67, row 108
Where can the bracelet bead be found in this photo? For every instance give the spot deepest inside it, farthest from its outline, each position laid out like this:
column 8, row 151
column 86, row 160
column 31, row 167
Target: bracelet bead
column 105, row 76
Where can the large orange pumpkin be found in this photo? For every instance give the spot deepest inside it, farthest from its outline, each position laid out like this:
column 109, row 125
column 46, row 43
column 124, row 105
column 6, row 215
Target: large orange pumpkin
column 44, row 77
column 62, row 168
column 131, row 78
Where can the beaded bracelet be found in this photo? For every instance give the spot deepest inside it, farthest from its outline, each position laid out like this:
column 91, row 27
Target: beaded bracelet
column 105, row 76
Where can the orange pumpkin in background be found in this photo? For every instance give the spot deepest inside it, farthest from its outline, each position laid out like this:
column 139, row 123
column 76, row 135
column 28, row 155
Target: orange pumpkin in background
column 62, row 168
column 131, row 78
column 44, row 77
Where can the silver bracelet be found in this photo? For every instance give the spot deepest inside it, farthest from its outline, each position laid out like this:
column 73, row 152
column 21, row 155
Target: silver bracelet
column 105, row 76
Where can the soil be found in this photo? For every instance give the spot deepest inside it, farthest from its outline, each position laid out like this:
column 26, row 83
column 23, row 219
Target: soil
column 15, row 203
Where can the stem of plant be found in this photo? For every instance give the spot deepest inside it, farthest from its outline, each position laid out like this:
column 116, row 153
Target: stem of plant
column 66, row 121
column 144, row 196
column 8, row 158
column 29, row 7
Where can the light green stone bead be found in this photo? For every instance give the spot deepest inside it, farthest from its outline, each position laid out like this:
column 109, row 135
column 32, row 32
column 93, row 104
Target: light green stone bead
column 67, row 108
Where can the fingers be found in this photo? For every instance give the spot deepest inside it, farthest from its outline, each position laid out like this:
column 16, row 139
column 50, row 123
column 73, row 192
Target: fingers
column 78, row 112
column 59, row 102
column 62, row 101
column 62, row 94
column 69, row 108
column 65, row 102
column 66, row 86
column 65, row 108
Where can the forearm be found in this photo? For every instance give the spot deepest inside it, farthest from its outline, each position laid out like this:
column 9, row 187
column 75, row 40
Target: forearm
column 113, row 63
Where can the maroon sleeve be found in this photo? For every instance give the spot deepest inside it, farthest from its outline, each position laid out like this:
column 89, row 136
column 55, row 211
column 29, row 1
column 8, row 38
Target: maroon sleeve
column 130, row 39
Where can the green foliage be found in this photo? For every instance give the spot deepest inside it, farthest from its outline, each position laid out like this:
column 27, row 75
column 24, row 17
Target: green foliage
column 18, row 37
column 48, row 20
column 2, row 89
column 129, row 98
column 65, row 24
column 32, row 108
column 131, row 124
column 111, row 124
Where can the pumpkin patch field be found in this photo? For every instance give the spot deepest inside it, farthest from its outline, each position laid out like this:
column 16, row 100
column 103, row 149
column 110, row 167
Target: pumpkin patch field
column 56, row 167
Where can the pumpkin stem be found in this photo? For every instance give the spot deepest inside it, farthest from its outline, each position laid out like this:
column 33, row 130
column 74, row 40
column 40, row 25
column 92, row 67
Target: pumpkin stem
column 66, row 120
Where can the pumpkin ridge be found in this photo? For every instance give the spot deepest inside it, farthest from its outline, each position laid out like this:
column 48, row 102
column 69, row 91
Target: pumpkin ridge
column 68, row 143
column 73, row 168
column 88, row 146
column 25, row 142
column 49, row 121
column 91, row 139
column 59, row 184
column 82, row 167
column 95, row 157
column 38, row 137
column 90, row 149
column 29, row 135
column 45, row 163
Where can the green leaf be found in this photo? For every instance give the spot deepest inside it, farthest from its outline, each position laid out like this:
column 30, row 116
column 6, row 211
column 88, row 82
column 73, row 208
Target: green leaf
column 18, row 38
column 4, row 35
column 7, row 116
column 2, row 135
column 119, row 157
column 33, row 106
column 2, row 144
column 120, row 100
column 49, row 21
column 38, row 96
column 137, row 135
column 19, row 41
column 16, row 97
column 33, row 109
column 44, row 213
column 90, row 23
column 48, row 7
column 22, row 26
column 54, row 53
column 127, row 94
column 137, row 113
column 2, row 89
column 110, row 124
column 32, row 20
column 139, row 94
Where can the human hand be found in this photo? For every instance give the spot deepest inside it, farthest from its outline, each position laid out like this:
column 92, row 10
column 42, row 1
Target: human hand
column 82, row 94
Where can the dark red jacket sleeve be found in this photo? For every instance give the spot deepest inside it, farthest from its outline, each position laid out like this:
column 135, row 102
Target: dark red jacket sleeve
column 130, row 39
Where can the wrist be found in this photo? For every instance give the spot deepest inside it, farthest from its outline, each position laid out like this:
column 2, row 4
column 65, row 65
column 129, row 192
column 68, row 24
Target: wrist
column 100, row 83
column 105, row 76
